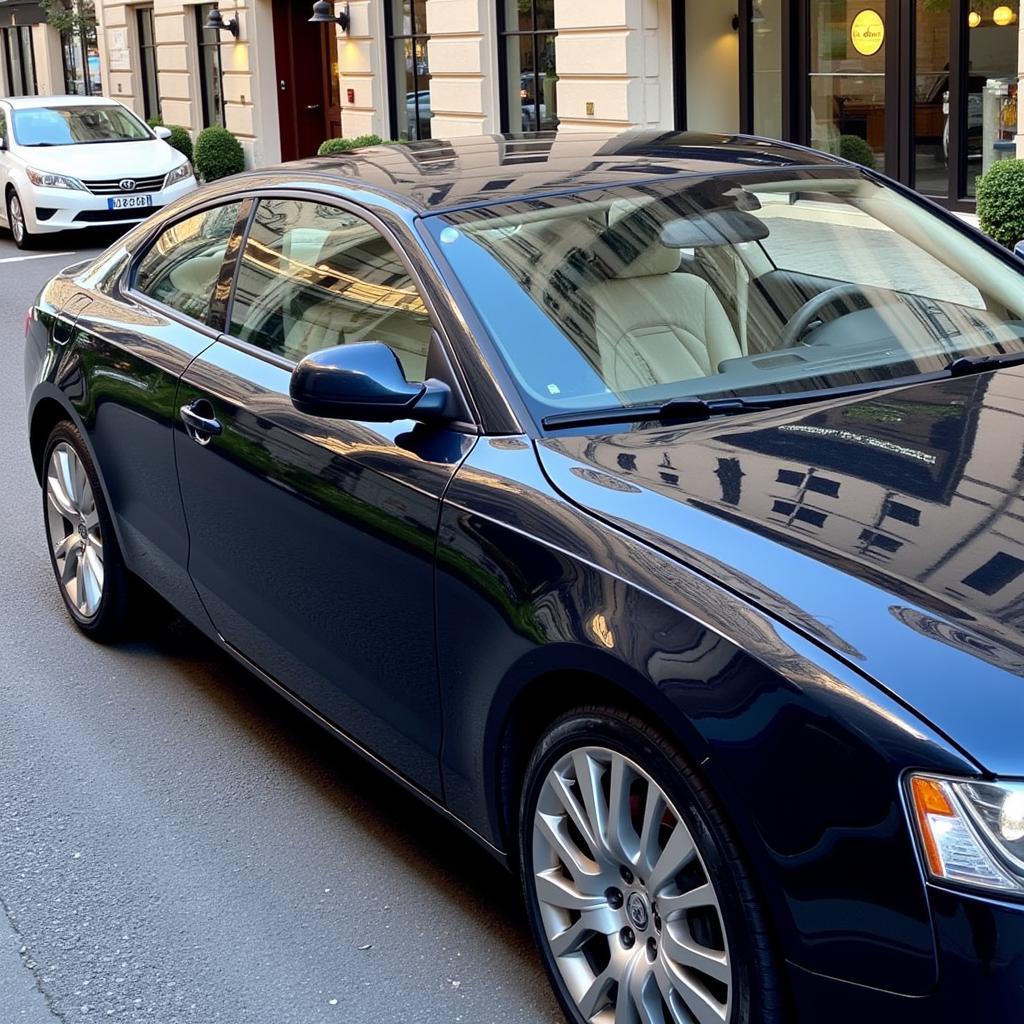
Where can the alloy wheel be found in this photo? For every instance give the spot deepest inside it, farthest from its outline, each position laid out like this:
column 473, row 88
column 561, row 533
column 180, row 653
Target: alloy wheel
column 73, row 526
column 16, row 216
column 630, row 912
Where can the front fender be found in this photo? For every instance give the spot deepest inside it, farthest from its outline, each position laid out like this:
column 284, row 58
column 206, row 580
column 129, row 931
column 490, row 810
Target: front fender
column 804, row 753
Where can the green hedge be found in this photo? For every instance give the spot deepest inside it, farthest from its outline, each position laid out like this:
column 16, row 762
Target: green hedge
column 855, row 149
column 217, row 154
column 344, row 145
column 180, row 140
column 1001, row 202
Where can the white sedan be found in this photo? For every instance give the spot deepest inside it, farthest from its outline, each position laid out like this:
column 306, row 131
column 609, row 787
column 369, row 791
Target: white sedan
column 70, row 162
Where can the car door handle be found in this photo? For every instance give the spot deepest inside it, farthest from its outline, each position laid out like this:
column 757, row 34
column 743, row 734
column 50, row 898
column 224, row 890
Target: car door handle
column 200, row 428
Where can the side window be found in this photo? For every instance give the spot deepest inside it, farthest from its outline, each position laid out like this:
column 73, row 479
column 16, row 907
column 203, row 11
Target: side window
column 182, row 266
column 313, row 276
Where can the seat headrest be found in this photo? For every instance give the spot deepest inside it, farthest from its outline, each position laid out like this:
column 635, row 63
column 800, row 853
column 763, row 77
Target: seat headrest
column 653, row 259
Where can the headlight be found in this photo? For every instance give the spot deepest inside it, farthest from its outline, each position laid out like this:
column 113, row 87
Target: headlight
column 971, row 832
column 178, row 174
column 47, row 180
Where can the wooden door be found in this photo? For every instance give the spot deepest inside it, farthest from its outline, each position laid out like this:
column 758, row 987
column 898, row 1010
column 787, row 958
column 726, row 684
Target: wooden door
column 302, row 95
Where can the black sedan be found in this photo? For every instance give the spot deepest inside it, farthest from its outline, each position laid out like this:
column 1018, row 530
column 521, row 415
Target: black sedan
column 650, row 505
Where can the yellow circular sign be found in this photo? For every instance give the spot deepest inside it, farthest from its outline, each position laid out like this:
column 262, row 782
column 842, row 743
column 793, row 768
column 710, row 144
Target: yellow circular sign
column 867, row 32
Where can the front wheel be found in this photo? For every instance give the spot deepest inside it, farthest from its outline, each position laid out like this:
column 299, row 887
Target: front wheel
column 23, row 239
column 636, row 894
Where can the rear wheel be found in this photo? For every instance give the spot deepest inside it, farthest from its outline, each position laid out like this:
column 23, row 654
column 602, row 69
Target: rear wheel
column 635, row 893
column 16, row 221
column 94, row 584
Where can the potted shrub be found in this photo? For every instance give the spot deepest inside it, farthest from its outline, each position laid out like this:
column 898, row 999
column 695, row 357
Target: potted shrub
column 344, row 145
column 218, row 153
column 1001, row 202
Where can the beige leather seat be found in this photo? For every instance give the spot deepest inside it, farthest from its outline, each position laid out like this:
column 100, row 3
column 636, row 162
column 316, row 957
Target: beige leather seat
column 655, row 326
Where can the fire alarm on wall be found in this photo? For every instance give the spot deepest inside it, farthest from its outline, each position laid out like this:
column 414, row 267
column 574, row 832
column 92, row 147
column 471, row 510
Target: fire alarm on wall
column 350, row 95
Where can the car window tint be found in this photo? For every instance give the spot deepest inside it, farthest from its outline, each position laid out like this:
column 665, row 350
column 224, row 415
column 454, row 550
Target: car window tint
column 313, row 276
column 182, row 267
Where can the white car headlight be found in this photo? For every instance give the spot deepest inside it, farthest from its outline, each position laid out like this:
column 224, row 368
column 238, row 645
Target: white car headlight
column 178, row 174
column 47, row 180
column 971, row 832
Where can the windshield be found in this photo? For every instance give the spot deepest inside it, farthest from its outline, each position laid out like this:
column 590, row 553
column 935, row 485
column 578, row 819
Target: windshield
column 764, row 283
column 76, row 125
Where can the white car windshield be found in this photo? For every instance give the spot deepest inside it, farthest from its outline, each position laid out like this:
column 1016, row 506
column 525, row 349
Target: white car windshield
column 765, row 283
column 76, row 125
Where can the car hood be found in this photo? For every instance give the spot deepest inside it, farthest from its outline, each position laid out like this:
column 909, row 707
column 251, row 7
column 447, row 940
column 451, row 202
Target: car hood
column 104, row 160
column 889, row 528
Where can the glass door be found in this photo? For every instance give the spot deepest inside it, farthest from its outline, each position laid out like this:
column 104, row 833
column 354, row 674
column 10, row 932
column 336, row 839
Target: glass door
column 851, row 109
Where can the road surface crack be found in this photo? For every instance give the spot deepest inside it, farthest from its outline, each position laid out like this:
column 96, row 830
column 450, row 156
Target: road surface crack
column 29, row 964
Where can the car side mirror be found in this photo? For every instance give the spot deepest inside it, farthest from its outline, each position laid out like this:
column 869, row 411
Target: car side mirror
column 161, row 132
column 3, row 143
column 1018, row 250
column 365, row 381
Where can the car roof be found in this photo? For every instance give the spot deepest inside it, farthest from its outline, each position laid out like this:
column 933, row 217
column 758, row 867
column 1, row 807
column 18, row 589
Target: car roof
column 28, row 102
column 434, row 175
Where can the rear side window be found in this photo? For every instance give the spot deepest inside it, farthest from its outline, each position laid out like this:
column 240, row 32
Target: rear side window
column 313, row 276
column 182, row 266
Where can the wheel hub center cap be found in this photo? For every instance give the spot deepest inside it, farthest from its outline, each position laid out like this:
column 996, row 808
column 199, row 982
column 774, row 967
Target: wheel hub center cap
column 638, row 911
column 83, row 532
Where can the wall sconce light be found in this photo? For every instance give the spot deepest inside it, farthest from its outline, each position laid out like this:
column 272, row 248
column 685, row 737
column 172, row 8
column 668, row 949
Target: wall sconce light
column 735, row 23
column 1003, row 16
column 216, row 23
column 323, row 14
column 973, row 19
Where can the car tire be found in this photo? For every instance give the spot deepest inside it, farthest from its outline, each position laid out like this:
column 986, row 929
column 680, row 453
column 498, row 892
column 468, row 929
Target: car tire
column 657, row 907
column 23, row 238
column 98, row 591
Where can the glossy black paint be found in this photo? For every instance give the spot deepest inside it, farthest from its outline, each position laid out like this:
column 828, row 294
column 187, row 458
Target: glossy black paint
column 365, row 382
column 786, row 593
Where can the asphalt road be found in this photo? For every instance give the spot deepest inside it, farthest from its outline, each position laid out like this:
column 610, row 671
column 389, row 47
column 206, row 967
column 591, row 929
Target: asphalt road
column 178, row 844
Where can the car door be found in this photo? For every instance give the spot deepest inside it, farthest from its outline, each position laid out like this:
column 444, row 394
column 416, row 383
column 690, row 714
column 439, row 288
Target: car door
column 312, row 540
column 129, row 350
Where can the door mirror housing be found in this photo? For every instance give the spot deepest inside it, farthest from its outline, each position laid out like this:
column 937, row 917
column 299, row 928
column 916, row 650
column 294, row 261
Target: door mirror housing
column 365, row 381
column 3, row 143
column 162, row 132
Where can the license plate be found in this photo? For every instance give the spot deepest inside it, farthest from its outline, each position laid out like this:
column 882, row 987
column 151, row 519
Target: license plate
column 129, row 202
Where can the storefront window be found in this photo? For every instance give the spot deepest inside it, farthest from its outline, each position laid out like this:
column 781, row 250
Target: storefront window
column 991, row 87
column 410, row 69
column 527, row 48
column 931, row 97
column 80, row 57
column 766, row 54
column 847, row 79
column 147, row 62
column 211, row 76
column 19, row 61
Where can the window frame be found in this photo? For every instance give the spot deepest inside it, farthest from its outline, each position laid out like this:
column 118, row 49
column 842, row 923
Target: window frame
column 202, row 44
column 19, row 33
column 504, row 33
column 322, row 200
column 147, row 58
column 214, row 324
column 391, row 38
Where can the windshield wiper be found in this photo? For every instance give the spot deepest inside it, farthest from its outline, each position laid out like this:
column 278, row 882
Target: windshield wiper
column 675, row 410
column 964, row 366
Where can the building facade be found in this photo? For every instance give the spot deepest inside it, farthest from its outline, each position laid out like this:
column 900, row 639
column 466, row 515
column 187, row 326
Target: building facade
column 924, row 89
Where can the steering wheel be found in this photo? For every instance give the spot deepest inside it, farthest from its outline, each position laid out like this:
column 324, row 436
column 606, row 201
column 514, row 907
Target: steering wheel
column 798, row 323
